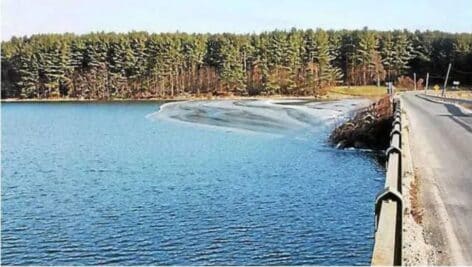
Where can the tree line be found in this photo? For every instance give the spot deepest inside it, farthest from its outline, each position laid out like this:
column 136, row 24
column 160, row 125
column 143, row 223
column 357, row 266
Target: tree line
column 295, row 62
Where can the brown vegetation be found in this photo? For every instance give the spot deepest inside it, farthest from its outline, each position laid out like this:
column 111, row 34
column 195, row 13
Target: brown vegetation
column 405, row 82
column 369, row 128
column 416, row 210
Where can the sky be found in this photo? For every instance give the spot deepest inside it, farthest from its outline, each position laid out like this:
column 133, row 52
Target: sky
column 26, row 17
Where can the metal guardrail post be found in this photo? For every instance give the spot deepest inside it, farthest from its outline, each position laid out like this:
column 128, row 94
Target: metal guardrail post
column 385, row 238
column 389, row 202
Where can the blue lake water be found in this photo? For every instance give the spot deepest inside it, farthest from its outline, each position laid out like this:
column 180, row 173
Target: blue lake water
column 112, row 184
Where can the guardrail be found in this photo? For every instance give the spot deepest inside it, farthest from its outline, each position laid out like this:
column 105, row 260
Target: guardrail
column 389, row 202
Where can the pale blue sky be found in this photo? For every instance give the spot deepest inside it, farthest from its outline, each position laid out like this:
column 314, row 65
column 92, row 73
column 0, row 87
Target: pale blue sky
column 26, row 17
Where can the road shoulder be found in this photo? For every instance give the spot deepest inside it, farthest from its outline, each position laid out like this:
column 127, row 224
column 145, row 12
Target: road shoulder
column 416, row 251
column 441, row 246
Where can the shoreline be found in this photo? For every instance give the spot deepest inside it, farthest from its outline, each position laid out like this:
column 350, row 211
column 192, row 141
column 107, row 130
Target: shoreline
column 329, row 97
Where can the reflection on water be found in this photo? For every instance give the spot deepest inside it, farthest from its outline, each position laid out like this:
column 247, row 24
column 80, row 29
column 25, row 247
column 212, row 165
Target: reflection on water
column 124, row 184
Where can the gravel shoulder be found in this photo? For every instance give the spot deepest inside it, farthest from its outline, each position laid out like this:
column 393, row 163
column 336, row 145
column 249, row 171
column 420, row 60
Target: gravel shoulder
column 441, row 151
column 416, row 251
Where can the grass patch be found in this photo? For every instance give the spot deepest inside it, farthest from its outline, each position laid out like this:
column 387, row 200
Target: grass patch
column 366, row 91
column 462, row 94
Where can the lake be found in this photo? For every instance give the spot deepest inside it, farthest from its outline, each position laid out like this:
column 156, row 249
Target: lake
column 196, row 183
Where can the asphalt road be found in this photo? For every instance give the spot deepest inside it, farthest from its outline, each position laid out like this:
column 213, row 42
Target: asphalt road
column 441, row 142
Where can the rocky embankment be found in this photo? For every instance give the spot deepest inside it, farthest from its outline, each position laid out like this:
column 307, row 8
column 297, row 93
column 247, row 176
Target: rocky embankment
column 368, row 129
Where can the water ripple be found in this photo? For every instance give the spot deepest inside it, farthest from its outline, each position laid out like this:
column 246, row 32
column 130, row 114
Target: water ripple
column 104, row 185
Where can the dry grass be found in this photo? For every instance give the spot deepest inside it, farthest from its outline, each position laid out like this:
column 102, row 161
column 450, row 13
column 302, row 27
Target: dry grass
column 467, row 106
column 416, row 210
column 363, row 91
column 464, row 94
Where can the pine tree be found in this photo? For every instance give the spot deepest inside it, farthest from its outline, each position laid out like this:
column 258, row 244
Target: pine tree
column 141, row 65
column 370, row 58
column 388, row 54
column 28, row 70
column 403, row 53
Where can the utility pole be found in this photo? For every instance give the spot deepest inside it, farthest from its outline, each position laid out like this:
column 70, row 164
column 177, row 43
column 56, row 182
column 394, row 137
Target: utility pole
column 445, row 81
column 427, row 83
column 414, row 79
